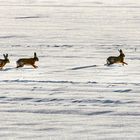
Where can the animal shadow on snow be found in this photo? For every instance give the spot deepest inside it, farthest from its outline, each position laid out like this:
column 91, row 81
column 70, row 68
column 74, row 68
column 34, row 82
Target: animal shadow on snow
column 83, row 67
column 14, row 68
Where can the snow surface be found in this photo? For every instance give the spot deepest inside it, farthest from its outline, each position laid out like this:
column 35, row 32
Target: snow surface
column 72, row 95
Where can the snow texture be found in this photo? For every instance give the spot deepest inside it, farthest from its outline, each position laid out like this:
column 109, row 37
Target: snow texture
column 72, row 94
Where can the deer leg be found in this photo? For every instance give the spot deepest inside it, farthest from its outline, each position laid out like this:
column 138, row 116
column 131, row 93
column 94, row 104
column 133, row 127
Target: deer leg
column 125, row 63
column 108, row 63
column 34, row 66
column 19, row 66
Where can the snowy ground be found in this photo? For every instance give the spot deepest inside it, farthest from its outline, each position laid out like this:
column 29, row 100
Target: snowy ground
column 72, row 95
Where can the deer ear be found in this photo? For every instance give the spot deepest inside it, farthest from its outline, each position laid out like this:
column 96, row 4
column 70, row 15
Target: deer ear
column 120, row 50
column 6, row 55
column 34, row 54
